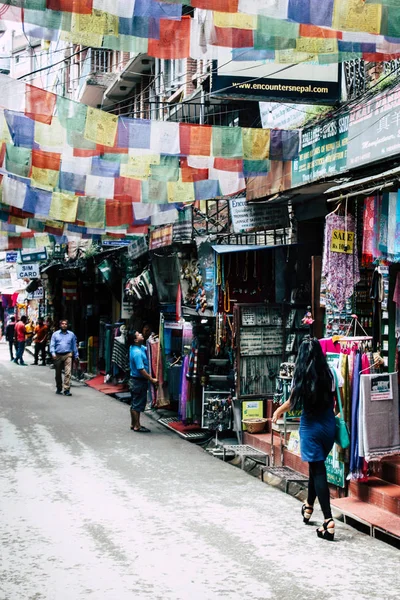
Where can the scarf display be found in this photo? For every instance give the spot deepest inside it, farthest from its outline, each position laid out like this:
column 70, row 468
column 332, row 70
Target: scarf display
column 340, row 269
column 378, row 428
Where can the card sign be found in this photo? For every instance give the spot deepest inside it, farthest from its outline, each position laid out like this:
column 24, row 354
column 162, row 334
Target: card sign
column 29, row 256
column 31, row 271
column 342, row 241
column 381, row 388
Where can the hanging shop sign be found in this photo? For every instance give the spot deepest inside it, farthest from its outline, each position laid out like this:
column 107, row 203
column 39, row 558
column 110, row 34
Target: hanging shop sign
column 11, row 257
column 59, row 250
column 116, row 243
column 161, row 237
column 374, row 130
column 36, row 295
column 31, row 271
column 263, row 79
column 137, row 247
column 381, row 388
column 334, row 470
column 323, row 151
column 342, row 241
column 247, row 218
column 30, row 256
column 285, row 116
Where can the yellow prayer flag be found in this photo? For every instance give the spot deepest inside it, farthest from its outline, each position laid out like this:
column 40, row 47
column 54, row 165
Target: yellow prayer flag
column 178, row 191
column 354, row 15
column 291, row 57
column 234, row 20
column 101, row 127
column 138, row 167
column 94, row 25
column 18, row 221
column 63, row 207
column 42, row 240
column 317, row 45
column 256, row 143
column 50, row 136
column 45, row 179
column 4, row 131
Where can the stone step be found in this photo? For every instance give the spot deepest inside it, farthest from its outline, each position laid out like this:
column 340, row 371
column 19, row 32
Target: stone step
column 380, row 493
column 378, row 521
column 389, row 470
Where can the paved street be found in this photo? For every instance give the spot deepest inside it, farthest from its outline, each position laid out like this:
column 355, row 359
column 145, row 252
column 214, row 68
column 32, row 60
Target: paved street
column 90, row 510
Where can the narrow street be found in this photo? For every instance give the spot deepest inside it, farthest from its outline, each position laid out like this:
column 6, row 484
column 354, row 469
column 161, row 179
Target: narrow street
column 91, row 510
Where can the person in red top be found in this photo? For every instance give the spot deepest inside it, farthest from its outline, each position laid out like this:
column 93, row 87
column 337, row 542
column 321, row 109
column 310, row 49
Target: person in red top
column 40, row 339
column 20, row 335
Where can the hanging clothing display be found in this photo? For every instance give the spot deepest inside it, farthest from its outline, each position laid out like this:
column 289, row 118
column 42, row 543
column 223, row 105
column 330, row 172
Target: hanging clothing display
column 377, row 294
column 340, row 267
column 370, row 245
column 120, row 355
column 379, row 434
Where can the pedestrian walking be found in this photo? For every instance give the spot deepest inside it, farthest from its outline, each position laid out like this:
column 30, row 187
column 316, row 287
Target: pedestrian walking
column 312, row 392
column 40, row 339
column 10, row 337
column 139, row 380
column 63, row 348
column 20, row 336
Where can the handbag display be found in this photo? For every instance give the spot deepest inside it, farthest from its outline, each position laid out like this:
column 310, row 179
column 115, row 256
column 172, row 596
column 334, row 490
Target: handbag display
column 342, row 436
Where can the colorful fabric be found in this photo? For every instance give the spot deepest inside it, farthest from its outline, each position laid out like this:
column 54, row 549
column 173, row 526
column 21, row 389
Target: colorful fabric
column 340, row 269
column 289, row 30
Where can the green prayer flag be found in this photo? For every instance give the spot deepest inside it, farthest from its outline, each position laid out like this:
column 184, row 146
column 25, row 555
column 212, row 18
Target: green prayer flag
column 167, row 170
column 92, row 211
column 18, row 160
column 227, row 142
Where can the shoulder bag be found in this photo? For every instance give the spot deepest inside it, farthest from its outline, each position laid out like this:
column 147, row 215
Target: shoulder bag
column 342, row 436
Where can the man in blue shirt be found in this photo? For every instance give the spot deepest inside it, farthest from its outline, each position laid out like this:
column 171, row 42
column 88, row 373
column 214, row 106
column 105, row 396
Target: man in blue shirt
column 140, row 377
column 63, row 348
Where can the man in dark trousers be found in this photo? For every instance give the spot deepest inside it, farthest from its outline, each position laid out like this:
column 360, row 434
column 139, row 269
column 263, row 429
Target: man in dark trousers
column 140, row 377
column 63, row 349
column 20, row 337
column 40, row 339
column 10, row 334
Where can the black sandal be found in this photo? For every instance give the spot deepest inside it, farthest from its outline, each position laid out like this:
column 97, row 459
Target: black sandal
column 141, row 430
column 306, row 512
column 327, row 533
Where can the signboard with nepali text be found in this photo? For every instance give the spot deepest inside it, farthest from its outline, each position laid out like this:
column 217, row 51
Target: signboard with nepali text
column 323, row 151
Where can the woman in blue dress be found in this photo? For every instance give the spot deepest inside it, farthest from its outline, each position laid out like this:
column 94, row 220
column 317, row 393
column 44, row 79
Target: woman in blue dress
column 312, row 392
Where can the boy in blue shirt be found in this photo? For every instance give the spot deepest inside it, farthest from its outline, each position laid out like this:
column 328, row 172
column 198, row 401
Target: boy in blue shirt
column 140, row 376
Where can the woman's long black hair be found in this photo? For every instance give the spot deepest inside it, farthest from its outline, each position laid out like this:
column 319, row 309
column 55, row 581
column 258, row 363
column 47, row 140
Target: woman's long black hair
column 312, row 379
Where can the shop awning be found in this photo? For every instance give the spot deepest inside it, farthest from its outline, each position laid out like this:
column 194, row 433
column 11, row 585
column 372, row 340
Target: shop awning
column 225, row 248
column 365, row 185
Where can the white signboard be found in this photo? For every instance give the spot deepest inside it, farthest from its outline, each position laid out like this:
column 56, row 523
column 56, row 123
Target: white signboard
column 29, row 270
column 36, row 295
column 250, row 217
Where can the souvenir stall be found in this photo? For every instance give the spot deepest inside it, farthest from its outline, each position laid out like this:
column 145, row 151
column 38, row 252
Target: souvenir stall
column 359, row 298
column 261, row 300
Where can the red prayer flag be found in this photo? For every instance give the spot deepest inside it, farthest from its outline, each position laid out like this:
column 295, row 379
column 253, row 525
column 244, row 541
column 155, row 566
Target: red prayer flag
column 229, row 164
column 311, row 31
column 46, row 160
column 233, row 38
column 195, row 139
column 82, row 7
column 119, row 212
column 128, row 187
column 228, row 6
column 39, row 104
column 190, row 174
column 174, row 41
